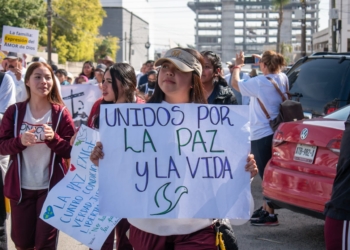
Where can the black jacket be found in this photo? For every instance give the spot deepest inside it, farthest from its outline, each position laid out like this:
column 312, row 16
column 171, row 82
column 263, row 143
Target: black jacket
column 339, row 206
column 222, row 94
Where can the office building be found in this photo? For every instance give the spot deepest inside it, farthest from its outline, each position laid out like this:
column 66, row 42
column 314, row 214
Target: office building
column 229, row 26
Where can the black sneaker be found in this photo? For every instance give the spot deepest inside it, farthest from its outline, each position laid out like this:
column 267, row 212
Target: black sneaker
column 266, row 220
column 257, row 213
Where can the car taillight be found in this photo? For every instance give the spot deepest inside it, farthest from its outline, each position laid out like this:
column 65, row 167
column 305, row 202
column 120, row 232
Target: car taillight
column 277, row 138
column 334, row 146
column 330, row 110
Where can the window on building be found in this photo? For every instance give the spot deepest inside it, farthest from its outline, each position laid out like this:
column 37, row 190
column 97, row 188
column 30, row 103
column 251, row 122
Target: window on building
column 239, row 24
column 203, row 39
column 253, row 15
column 238, row 32
column 216, row 16
column 209, row 32
column 238, row 40
column 254, row 47
column 273, row 32
column 209, row 25
column 273, row 24
column 238, row 15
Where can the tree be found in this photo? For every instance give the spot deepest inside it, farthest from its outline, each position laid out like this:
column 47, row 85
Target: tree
column 75, row 28
column 23, row 14
column 279, row 4
column 286, row 50
column 106, row 46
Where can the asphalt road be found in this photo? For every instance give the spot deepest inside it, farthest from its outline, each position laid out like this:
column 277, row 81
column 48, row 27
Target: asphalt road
column 295, row 231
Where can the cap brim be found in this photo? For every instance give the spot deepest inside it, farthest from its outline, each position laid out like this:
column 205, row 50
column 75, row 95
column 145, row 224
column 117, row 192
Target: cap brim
column 11, row 57
column 179, row 64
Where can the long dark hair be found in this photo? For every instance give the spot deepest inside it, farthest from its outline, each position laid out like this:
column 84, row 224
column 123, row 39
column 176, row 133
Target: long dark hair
column 215, row 61
column 196, row 93
column 54, row 96
column 124, row 73
column 92, row 75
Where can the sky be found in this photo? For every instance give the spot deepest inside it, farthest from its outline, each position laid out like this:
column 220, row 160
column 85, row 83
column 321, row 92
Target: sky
column 175, row 21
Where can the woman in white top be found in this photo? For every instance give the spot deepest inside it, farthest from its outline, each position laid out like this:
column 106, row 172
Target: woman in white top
column 261, row 88
column 179, row 81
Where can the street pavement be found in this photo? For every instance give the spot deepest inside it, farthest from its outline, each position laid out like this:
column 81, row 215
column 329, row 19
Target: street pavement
column 295, row 231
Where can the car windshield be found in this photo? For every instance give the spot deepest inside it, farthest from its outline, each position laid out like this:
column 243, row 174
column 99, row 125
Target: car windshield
column 341, row 114
column 319, row 81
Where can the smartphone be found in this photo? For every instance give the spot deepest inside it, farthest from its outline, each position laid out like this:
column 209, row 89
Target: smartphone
column 249, row 60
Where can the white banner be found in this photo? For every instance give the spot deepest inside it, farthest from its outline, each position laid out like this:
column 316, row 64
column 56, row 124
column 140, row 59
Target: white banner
column 20, row 40
column 174, row 161
column 72, row 205
column 79, row 99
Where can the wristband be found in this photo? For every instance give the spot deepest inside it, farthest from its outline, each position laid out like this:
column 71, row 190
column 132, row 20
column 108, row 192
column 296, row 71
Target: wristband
column 236, row 67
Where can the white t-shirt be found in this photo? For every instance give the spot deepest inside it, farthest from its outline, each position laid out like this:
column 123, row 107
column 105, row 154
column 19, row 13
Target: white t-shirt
column 35, row 158
column 260, row 87
column 21, row 93
column 7, row 93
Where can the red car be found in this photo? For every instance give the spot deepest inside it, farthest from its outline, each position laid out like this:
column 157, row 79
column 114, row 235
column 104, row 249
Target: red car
column 300, row 174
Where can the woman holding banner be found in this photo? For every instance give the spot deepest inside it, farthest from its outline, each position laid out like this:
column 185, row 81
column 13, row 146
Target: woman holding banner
column 36, row 135
column 178, row 82
column 118, row 86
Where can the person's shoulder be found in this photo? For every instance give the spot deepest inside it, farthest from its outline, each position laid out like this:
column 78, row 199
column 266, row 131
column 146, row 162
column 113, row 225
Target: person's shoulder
column 7, row 78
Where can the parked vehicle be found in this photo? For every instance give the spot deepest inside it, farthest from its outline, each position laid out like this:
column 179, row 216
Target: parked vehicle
column 321, row 82
column 302, row 169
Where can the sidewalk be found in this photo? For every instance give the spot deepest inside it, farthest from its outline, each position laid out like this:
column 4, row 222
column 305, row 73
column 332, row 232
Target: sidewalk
column 64, row 241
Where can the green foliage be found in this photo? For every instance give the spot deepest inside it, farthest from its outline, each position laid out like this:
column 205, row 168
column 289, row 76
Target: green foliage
column 286, row 51
column 106, row 46
column 279, row 3
column 75, row 28
column 23, row 13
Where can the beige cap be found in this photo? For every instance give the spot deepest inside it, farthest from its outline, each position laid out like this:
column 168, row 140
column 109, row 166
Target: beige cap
column 183, row 60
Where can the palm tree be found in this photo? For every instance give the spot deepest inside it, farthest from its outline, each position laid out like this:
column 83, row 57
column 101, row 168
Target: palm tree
column 279, row 4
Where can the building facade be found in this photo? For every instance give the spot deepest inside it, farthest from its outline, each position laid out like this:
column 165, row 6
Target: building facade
column 126, row 21
column 322, row 40
column 229, row 26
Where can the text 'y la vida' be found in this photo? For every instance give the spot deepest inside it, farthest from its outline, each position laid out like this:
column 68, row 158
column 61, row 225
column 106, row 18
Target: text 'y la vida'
column 198, row 140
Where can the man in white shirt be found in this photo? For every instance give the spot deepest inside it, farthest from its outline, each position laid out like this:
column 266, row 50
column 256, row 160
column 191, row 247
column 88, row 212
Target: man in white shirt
column 17, row 72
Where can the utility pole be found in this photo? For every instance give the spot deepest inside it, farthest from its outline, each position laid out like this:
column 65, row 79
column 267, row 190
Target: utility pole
column 125, row 38
column 334, row 30
column 130, row 38
column 49, row 31
column 303, row 28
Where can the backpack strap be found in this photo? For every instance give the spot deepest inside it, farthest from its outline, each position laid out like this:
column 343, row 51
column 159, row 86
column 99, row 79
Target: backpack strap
column 279, row 92
column 277, row 88
column 264, row 109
